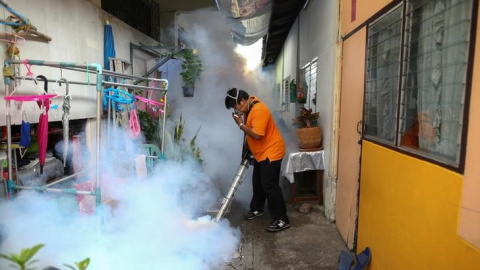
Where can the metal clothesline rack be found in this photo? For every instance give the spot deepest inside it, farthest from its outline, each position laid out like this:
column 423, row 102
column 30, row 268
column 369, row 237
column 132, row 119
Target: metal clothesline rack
column 89, row 68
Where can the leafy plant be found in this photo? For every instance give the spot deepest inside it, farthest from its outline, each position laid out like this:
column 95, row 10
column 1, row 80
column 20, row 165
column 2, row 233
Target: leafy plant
column 23, row 260
column 82, row 265
column 306, row 118
column 191, row 67
column 302, row 100
column 177, row 144
column 149, row 127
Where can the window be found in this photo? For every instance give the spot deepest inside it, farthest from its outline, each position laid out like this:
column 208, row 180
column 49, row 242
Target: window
column 414, row 96
column 308, row 79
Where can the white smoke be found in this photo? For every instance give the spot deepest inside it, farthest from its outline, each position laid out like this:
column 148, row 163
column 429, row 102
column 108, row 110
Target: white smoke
column 159, row 222
column 220, row 139
column 153, row 223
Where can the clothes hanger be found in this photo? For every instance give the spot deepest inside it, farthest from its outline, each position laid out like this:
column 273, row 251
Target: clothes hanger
column 14, row 36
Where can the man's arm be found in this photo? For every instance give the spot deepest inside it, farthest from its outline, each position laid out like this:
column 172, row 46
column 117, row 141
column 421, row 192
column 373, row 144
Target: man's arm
column 249, row 131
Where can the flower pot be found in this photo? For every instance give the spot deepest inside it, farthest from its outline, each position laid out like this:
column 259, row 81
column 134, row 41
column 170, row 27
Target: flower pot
column 188, row 91
column 309, row 137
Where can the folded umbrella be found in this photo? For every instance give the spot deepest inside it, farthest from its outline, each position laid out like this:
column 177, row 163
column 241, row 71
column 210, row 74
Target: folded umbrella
column 42, row 129
column 65, row 121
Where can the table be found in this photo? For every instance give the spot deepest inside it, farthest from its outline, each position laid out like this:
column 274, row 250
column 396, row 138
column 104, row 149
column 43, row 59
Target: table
column 307, row 162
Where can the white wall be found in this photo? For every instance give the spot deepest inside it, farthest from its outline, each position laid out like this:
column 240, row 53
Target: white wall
column 290, row 67
column 76, row 28
column 316, row 39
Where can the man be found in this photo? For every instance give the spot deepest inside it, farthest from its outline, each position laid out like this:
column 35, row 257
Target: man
column 267, row 146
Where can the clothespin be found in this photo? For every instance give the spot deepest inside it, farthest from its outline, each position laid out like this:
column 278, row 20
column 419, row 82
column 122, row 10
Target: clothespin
column 29, row 68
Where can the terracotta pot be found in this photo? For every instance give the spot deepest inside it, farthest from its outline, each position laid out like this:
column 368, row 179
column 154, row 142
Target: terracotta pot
column 309, row 137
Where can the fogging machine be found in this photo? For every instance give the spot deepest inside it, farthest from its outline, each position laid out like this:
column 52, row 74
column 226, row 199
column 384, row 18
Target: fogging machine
column 247, row 159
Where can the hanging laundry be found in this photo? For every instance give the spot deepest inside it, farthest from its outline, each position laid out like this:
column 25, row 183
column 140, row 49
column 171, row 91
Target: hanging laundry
column 25, row 139
column 134, row 125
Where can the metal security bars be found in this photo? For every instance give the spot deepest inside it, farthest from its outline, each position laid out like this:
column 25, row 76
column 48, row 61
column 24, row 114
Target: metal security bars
column 382, row 76
column 418, row 104
column 310, row 83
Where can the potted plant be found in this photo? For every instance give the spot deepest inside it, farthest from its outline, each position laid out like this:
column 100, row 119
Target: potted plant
column 191, row 69
column 302, row 100
column 309, row 134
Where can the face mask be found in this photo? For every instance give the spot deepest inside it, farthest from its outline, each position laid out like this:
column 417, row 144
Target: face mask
column 240, row 112
column 235, row 111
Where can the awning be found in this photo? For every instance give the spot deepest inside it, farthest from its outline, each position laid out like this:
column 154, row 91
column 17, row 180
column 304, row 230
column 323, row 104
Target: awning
column 248, row 19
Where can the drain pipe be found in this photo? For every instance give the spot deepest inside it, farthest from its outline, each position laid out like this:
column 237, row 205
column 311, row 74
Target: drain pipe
column 335, row 138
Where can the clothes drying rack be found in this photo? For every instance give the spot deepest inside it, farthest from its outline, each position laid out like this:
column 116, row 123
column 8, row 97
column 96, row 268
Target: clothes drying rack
column 99, row 84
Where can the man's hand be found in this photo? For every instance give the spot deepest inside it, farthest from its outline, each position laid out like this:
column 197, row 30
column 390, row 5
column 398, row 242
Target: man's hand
column 238, row 119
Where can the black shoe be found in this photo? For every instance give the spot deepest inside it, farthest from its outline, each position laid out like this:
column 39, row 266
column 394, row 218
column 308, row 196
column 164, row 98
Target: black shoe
column 252, row 214
column 278, row 225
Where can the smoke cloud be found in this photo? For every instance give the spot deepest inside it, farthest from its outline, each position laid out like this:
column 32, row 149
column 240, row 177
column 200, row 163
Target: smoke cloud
column 220, row 139
column 158, row 222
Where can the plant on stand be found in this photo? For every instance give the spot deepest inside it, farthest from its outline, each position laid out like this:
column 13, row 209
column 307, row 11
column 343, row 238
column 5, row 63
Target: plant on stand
column 191, row 69
column 309, row 134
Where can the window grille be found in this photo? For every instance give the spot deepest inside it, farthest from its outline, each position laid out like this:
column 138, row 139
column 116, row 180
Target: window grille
column 423, row 112
column 310, row 83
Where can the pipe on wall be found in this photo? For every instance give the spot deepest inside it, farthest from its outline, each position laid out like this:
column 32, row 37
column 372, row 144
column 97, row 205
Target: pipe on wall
column 335, row 138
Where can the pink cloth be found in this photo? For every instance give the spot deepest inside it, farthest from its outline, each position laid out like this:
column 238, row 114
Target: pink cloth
column 134, row 125
column 86, row 203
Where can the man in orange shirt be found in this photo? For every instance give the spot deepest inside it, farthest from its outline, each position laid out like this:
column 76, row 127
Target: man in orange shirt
column 266, row 144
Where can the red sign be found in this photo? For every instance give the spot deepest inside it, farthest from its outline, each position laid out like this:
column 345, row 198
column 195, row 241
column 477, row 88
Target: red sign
column 354, row 10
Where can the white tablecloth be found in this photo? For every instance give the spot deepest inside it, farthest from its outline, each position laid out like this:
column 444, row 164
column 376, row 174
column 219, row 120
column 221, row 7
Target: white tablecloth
column 303, row 161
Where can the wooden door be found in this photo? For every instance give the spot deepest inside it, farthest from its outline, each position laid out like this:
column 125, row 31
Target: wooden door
column 351, row 109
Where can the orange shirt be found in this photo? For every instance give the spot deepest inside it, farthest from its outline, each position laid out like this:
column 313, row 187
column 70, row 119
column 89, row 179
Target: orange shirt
column 271, row 145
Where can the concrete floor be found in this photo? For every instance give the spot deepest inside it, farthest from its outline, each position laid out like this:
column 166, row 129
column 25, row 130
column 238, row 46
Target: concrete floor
column 310, row 243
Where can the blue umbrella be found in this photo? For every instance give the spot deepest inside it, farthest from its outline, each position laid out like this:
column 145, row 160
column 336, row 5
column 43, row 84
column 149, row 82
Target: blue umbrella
column 108, row 46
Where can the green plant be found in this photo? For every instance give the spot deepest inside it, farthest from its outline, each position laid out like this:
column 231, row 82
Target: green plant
column 191, row 67
column 82, row 265
column 177, row 143
column 22, row 260
column 149, row 127
column 306, row 118
column 302, row 100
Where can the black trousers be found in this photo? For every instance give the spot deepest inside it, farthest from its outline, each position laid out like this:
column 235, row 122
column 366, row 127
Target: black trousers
column 266, row 175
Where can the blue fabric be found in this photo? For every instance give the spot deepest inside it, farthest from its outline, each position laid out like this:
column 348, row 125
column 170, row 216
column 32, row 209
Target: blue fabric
column 363, row 259
column 25, row 134
column 108, row 46
column 345, row 260
column 108, row 50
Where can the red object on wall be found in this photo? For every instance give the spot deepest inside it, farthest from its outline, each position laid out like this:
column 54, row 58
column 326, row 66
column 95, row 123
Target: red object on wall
column 354, row 10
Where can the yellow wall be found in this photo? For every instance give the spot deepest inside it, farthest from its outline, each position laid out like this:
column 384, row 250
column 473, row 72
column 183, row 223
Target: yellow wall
column 408, row 213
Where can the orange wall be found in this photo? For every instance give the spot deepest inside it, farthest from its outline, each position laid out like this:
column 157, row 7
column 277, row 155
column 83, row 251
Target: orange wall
column 364, row 10
column 408, row 213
